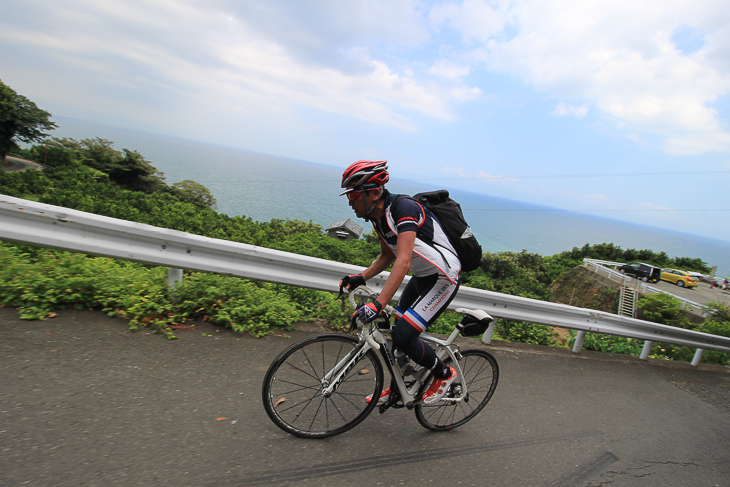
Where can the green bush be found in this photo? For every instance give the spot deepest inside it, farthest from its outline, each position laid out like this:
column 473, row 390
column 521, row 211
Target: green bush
column 52, row 280
column 665, row 309
column 235, row 303
column 519, row 331
column 717, row 312
column 608, row 343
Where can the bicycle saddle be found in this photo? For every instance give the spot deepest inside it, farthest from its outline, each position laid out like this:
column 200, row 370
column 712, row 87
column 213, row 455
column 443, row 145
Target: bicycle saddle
column 477, row 314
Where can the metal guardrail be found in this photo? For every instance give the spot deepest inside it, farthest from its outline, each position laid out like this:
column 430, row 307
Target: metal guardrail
column 57, row 227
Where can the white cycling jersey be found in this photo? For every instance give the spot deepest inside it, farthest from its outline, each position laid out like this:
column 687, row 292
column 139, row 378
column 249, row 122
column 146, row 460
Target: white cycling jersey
column 432, row 251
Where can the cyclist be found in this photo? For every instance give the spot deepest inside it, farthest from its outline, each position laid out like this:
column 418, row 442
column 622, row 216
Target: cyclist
column 412, row 240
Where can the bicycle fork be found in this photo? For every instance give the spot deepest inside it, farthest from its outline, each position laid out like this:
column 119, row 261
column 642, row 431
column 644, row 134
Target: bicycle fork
column 332, row 379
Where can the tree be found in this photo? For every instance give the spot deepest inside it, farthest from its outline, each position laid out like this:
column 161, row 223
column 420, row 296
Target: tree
column 665, row 309
column 20, row 120
column 127, row 168
column 195, row 193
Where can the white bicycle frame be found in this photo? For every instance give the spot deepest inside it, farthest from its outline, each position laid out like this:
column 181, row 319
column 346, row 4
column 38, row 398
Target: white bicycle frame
column 372, row 338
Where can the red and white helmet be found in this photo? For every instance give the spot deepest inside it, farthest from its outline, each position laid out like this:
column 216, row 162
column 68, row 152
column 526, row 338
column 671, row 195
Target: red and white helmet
column 363, row 175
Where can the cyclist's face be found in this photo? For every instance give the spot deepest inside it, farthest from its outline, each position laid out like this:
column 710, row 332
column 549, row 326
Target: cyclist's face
column 355, row 200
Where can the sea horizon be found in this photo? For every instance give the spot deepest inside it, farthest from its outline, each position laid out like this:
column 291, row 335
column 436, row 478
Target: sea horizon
column 265, row 187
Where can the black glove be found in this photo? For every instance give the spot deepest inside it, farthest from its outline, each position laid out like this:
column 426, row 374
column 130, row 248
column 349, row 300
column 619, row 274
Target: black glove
column 367, row 313
column 351, row 282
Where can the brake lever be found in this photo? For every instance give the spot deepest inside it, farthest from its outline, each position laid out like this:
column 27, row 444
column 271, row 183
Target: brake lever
column 353, row 324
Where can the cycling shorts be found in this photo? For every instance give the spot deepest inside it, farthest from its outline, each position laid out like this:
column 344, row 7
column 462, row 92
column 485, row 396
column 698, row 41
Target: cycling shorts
column 424, row 299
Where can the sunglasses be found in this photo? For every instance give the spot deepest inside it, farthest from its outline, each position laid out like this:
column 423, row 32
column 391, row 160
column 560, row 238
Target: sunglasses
column 353, row 195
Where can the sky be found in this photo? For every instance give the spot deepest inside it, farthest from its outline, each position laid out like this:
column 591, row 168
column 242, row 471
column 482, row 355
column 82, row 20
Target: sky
column 613, row 108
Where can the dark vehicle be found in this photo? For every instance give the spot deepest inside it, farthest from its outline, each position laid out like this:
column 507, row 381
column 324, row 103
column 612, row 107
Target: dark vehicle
column 642, row 271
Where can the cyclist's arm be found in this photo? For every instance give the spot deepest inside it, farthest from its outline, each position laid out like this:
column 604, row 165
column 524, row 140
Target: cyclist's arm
column 404, row 251
column 384, row 260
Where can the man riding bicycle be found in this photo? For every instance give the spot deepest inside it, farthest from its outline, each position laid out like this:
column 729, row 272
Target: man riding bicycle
column 413, row 241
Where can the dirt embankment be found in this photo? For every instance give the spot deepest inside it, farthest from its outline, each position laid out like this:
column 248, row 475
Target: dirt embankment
column 583, row 288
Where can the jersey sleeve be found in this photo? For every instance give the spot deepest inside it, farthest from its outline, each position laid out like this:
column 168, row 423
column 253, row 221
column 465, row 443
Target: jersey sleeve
column 408, row 215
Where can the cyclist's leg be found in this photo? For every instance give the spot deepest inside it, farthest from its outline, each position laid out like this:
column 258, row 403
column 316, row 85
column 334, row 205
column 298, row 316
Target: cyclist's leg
column 422, row 302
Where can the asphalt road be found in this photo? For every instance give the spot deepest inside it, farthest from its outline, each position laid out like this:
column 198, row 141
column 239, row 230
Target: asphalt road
column 701, row 294
column 85, row 402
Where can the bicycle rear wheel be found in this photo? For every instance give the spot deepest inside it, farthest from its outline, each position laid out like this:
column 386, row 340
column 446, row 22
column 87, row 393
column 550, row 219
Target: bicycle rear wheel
column 481, row 374
column 292, row 388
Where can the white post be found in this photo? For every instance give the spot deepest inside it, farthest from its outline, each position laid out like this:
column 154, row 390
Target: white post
column 697, row 358
column 487, row 337
column 646, row 350
column 579, row 338
column 174, row 277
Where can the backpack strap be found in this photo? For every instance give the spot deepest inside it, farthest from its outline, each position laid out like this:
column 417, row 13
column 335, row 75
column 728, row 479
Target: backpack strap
column 428, row 242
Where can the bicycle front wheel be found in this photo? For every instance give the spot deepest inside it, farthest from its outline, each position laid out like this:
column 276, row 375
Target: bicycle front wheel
column 292, row 389
column 481, row 374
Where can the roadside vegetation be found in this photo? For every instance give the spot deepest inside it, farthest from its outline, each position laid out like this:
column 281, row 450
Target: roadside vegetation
column 91, row 175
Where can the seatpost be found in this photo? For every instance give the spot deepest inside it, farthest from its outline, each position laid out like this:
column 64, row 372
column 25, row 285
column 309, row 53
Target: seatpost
column 454, row 333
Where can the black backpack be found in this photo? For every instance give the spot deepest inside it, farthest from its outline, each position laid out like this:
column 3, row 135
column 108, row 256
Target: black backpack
column 449, row 215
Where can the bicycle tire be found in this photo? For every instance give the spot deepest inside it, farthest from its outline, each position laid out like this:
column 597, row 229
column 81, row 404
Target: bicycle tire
column 292, row 388
column 481, row 374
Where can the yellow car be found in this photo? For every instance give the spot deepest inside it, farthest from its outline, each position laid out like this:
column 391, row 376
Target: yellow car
column 680, row 278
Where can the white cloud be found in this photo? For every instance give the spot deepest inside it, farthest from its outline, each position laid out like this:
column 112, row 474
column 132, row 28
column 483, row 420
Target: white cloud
column 696, row 143
column 475, row 20
column 618, row 56
column 252, row 56
column 449, row 68
column 659, row 212
column 652, row 207
column 390, row 62
column 461, row 173
column 378, row 95
column 491, row 177
column 563, row 109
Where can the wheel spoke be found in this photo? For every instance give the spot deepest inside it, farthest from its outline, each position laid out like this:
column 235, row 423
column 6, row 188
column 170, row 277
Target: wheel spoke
column 479, row 375
column 297, row 376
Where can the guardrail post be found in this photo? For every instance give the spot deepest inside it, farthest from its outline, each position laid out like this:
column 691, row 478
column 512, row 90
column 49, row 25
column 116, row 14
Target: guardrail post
column 698, row 357
column 646, row 350
column 579, row 338
column 487, row 337
column 174, row 277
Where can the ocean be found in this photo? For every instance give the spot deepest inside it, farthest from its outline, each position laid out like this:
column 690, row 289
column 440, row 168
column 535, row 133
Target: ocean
column 264, row 187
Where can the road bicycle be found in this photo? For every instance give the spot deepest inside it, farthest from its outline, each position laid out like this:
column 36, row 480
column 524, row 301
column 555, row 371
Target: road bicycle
column 318, row 386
